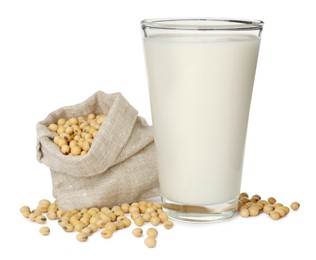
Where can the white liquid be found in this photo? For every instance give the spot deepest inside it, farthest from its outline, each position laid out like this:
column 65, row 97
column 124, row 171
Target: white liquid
column 200, row 90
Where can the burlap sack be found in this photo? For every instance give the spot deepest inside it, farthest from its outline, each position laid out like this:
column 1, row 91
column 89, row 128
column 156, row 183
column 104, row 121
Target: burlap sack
column 120, row 165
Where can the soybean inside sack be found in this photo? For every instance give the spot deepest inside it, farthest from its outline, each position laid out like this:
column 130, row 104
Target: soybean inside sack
column 120, row 165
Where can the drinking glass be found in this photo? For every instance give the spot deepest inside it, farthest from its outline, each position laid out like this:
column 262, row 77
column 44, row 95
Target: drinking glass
column 200, row 76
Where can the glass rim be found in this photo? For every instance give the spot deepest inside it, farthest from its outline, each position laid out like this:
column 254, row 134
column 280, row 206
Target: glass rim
column 204, row 24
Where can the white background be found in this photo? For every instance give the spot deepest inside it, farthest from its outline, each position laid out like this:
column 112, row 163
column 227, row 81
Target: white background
column 56, row 53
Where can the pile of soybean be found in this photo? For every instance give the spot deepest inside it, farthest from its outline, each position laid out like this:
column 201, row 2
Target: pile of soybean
column 250, row 207
column 88, row 221
column 75, row 135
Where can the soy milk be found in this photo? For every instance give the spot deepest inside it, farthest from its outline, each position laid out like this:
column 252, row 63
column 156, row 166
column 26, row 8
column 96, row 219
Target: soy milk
column 200, row 90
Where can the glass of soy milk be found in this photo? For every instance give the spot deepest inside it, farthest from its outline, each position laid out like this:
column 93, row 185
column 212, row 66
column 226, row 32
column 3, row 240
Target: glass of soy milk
column 200, row 76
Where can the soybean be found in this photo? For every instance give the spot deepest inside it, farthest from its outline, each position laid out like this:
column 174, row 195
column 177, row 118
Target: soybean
column 147, row 217
column 44, row 231
column 271, row 200
column 106, row 233
column 150, row 242
column 267, row 208
column 168, row 224
column 163, row 217
column 281, row 212
column 137, row 232
column 40, row 219
column 25, row 210
column 126, row 222
column 88, row 231
column 125, row 207
column 82, row 237
column 152, row 232
column 110, row 226
column 68, row 227
column 155, row 221
column 244, row 212
column 274, row 215
column 253, row 211
column 139, row 221
column 295, row 205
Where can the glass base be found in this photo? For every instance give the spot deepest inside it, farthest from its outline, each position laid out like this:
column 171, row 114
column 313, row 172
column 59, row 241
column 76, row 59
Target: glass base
column 199, row 213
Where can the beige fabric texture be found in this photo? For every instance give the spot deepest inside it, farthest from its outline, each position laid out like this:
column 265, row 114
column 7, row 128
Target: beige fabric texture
column 120, row 165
